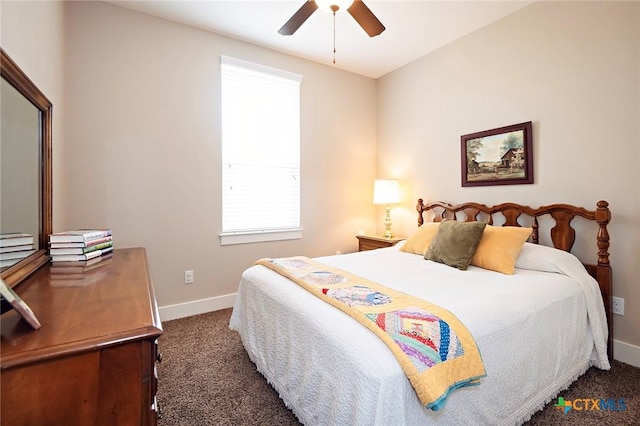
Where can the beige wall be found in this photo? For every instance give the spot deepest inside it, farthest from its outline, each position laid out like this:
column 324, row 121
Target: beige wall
column 571, row 68
column 144, row 147
column 32, row 34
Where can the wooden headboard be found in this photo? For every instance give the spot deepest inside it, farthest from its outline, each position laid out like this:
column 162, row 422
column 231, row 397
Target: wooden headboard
column 562, row 233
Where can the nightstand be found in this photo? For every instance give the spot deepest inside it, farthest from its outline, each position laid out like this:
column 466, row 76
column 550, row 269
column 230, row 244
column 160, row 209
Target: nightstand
column 366, row 242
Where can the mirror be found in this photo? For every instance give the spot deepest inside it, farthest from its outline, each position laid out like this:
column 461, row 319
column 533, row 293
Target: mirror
column 25, row 173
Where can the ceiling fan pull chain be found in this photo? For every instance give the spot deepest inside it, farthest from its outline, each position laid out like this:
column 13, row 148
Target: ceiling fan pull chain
column 334, row 35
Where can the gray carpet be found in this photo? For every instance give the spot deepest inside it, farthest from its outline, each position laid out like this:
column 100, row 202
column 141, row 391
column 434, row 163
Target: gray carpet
column 206, row 378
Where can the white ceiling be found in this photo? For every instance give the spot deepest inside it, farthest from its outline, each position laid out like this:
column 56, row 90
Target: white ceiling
column 413, row 28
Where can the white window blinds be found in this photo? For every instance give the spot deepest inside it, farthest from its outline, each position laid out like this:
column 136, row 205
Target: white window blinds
column 260, row 152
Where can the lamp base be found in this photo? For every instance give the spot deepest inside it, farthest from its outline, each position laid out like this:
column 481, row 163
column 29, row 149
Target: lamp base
column 387, row 223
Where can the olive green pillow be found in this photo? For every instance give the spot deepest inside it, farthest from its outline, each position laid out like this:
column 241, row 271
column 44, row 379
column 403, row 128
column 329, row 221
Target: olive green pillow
column 455, row 243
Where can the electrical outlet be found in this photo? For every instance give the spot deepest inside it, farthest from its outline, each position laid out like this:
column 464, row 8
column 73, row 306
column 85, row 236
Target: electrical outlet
column 618, row 305
column 188, row 277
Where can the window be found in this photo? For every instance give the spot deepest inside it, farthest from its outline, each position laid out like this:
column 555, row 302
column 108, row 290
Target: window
column 260, row 153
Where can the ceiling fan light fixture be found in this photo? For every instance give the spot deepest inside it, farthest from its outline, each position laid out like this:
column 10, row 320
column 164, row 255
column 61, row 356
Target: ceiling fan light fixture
column 330, row 5
column 356, row 8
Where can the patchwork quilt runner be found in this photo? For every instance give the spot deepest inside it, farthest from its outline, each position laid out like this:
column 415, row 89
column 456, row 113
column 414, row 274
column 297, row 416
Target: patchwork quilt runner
column 435, row 350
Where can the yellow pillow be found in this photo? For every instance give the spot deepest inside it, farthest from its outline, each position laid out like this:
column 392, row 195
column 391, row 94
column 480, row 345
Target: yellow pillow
column 499, row 248
column 419, row 242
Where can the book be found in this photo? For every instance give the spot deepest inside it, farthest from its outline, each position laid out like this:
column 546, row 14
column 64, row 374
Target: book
column 57, row 251
column 21, row 247
column 89, row 243
column 8, row 262
column 16, row 254
column 80, row 257
column 79, row 236
column 15, row 239
column 19, row 305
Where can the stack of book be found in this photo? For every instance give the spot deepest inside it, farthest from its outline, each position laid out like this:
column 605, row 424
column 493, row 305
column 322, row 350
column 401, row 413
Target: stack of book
column 14, row 247
column 80, row 246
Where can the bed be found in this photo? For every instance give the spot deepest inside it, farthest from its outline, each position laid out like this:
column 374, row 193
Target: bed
column 538, row 328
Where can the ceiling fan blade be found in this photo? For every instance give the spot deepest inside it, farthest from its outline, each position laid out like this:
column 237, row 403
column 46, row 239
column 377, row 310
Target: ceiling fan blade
column 298, row 18
column 367, row 20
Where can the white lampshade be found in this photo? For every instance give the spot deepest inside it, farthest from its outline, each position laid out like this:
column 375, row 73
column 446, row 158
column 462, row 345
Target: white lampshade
column 386, row 191
column 326, row 4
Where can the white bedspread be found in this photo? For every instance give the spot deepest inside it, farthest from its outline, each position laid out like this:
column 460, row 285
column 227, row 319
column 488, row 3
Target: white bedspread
column 535, row 331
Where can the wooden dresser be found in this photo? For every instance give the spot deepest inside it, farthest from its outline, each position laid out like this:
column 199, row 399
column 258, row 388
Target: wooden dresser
column 93, row 360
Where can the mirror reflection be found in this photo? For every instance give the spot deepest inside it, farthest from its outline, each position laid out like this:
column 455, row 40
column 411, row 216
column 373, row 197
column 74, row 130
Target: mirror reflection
column 19, row 176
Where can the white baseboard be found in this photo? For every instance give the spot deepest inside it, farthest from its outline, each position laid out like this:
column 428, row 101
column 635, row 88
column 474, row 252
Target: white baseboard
column 196, row 307
column 626, row 352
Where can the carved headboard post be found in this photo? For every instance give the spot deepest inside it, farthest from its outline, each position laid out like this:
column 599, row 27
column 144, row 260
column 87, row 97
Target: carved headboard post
column 603, row 216
column 603, row 269
column 420, row 208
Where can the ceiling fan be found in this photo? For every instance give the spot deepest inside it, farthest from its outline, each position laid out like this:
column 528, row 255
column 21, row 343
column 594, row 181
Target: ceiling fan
column 360, row 12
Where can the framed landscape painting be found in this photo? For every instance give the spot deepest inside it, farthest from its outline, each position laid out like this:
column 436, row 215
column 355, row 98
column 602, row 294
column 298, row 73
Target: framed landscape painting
column 501, row 156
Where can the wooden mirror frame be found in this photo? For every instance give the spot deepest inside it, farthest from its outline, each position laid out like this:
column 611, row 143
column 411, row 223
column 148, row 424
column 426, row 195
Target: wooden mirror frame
column 19, row 80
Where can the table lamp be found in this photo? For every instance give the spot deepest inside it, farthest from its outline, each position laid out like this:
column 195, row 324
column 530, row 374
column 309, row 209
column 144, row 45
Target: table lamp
column 386, row 191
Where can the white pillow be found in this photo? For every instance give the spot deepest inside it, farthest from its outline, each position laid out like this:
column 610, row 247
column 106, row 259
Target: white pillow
column 540, row 258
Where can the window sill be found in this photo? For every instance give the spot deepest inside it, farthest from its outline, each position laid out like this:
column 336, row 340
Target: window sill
column 229, row 238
